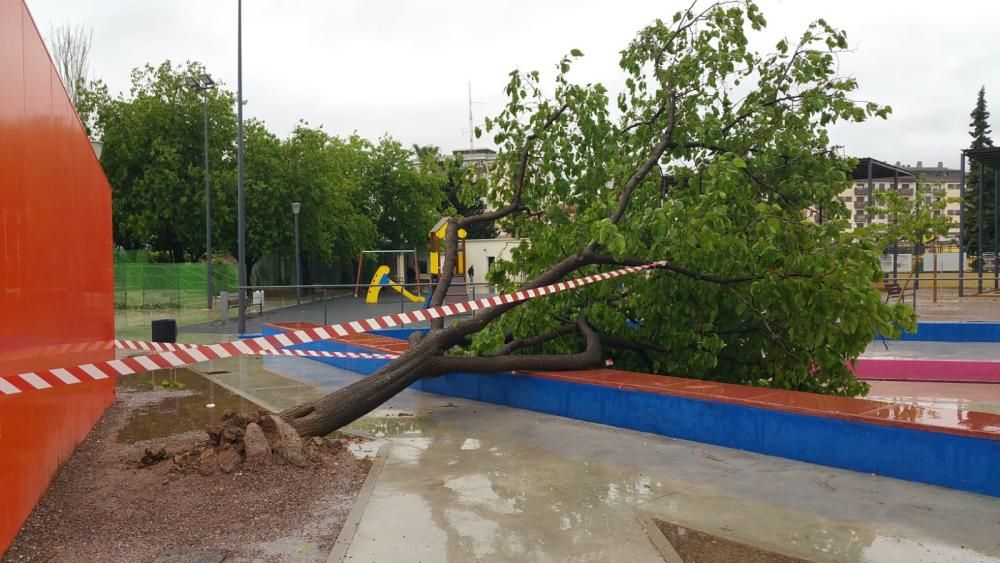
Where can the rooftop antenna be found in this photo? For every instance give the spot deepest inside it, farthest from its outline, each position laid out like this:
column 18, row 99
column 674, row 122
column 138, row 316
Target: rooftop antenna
column 471, row 128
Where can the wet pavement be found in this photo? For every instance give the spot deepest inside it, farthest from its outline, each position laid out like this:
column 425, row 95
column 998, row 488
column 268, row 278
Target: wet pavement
column 978, row 397
column 470, row 481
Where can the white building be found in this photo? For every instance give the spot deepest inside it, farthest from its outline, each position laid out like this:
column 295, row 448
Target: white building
column 480, row 254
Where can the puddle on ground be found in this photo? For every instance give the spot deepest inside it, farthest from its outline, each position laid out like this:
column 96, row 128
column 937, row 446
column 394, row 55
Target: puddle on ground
column 182, row 410
column 696, row 545
column 391, row 423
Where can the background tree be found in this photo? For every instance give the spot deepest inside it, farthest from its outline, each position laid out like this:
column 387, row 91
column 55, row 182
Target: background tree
column 917, row 220
column 355, row 194
column 154, row 158
column 751, row 290
column 321, row 172
column 979, row 130
column 402, row 198
column 326, row 175
column 70, row 45
column 464, row 190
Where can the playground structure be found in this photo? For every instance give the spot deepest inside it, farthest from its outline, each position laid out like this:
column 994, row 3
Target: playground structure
column 396, row 268
column 434, row 241
column 382, row 279
column 458, row 290
column 383, row 275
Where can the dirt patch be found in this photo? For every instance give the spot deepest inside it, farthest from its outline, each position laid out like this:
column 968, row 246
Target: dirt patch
column 105, row 504
column 694, row 546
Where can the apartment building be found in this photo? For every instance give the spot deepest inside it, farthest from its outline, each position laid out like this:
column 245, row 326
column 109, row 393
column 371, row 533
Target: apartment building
column 904, row 178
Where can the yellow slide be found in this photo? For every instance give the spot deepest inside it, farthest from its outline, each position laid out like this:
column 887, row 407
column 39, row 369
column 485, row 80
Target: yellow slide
column 380, row 279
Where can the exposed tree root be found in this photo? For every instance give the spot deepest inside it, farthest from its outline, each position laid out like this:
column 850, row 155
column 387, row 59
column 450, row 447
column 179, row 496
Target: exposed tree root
column 243, row 442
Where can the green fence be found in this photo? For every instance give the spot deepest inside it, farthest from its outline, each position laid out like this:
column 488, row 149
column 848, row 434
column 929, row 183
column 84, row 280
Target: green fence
column 145, row 285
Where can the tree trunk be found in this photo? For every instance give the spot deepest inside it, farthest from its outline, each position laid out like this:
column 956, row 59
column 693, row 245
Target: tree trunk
column 446, row 273
column 349, row 403
column 424, row 359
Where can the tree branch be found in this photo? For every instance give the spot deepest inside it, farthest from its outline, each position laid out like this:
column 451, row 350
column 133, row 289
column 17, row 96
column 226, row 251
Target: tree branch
column 649, row 121
column 634, row 345
column 590, row 357
column 707, row 277
column 654, row 156
column 518, row 343
column 515, row 203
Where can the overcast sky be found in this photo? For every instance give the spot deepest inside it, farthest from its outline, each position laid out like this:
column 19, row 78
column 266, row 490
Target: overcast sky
column 403, row 67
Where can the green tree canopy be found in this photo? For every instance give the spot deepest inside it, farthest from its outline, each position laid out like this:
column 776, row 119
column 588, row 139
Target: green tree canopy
column 355, row 194
column 916, row 220
column 153, row 156
column 758, row 291
column 979, row 130
column 402, row 198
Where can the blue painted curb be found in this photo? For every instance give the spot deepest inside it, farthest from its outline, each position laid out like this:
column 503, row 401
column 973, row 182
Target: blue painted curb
column 944, row 331
column 959, row 462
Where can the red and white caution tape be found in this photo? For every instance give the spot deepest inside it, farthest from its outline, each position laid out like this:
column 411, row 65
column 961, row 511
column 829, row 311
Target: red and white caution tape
column 144, row 346
column 177, row 355
column 328, row 354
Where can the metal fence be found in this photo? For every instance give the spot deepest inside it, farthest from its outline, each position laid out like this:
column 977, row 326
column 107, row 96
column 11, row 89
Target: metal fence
column 332, row 303
column 946, row 296
column 151, row 286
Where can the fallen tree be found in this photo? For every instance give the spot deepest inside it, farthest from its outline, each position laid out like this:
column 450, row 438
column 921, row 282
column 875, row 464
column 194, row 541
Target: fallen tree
column 717, row 161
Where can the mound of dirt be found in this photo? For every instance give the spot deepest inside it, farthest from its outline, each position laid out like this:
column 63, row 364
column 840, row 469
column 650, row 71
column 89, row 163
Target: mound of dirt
column 250, row 490
column 243, row 441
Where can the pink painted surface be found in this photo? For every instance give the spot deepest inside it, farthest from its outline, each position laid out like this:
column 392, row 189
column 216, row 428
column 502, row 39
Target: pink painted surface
column 956, row 371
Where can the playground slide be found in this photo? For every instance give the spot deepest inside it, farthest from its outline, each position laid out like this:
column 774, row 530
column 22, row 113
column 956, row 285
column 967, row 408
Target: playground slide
column 381, row 279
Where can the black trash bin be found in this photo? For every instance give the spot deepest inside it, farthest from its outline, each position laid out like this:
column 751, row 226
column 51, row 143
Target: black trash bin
column 165, row 330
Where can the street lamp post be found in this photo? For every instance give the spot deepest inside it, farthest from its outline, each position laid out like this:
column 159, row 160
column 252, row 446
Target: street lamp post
column 204, row 83
column 241, row 228
column 98, row 147
column 298, row 264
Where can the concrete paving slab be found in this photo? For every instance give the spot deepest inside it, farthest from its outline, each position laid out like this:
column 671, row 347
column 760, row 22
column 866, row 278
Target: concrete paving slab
column 467, row 481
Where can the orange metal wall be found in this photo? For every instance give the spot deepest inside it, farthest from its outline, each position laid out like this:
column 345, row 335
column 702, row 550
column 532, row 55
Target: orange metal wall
column 56, row 281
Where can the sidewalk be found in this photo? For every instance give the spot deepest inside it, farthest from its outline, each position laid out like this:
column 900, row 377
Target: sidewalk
column 472, row 481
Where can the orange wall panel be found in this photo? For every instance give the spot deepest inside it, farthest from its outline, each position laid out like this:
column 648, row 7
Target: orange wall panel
column 56, row 280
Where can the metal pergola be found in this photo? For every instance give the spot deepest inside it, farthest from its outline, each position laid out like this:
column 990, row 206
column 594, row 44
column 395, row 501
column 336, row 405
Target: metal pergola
column 986, row 158
column 869, row 169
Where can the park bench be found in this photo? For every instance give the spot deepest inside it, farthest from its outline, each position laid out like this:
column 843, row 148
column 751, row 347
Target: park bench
column 232, row 300
column 894, row 290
